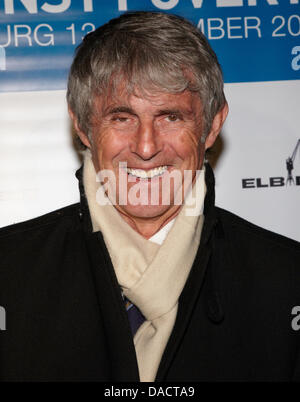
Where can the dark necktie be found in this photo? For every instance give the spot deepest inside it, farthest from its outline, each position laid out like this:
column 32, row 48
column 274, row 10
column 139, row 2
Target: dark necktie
column 135, row 317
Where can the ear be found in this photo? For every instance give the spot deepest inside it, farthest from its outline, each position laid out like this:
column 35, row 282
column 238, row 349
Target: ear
column 84, row 138
column 216, row 126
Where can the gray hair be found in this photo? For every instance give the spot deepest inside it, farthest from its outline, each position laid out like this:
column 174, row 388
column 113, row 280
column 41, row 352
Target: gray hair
column 152, row 52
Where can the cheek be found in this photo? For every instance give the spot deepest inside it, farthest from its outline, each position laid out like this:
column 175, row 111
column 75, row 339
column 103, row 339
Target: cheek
column 187, row 144
column 108, row 147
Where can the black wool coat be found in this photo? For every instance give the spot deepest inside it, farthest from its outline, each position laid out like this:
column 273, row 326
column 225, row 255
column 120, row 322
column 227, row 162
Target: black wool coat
column 66, row 321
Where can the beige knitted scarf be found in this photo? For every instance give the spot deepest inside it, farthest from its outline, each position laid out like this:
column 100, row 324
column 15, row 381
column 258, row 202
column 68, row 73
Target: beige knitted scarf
column 151, row 276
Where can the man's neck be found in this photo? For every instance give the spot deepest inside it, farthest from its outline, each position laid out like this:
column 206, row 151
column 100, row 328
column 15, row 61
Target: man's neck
column 147, row 227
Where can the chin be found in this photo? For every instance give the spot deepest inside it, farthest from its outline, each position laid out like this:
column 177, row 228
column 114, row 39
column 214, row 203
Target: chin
column 146, row 211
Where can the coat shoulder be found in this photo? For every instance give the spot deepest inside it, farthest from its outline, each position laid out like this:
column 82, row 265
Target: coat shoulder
column 59, row 217
column 241, row 228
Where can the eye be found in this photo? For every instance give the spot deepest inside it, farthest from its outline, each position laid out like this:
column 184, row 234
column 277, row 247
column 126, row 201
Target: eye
column 172, row 117
column 120, row 119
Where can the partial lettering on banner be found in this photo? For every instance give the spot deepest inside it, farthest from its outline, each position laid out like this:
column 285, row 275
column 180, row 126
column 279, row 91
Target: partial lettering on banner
column 31, row 6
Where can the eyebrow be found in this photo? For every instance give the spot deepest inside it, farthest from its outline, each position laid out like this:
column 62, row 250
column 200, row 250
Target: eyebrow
column 169, row 111
column 119, row 109
column 162, row 112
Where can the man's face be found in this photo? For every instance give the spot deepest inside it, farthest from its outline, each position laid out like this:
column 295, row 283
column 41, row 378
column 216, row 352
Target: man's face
column 154, row 135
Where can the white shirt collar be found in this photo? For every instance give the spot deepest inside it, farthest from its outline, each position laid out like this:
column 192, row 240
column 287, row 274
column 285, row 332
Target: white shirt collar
column 160, row 236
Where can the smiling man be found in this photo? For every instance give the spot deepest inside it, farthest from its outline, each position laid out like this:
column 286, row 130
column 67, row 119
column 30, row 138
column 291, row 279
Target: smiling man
column 157, row 136
column 145, row 279
column 147, row 110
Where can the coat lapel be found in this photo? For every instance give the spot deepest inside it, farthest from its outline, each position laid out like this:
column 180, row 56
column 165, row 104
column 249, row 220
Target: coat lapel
column 186, row 303
column 111, row 307
column 193, row 286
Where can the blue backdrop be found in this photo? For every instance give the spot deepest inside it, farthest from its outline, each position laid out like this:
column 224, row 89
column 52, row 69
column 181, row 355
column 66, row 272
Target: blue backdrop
column 255, row 40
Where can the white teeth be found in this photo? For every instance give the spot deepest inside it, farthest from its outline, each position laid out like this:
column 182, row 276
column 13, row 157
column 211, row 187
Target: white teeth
column 149, row 174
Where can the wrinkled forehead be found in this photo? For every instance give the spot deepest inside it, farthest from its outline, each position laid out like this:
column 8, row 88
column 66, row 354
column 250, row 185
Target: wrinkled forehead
column 125, row 94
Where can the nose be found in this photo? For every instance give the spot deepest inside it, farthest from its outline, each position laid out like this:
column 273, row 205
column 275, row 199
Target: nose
column 145, row 143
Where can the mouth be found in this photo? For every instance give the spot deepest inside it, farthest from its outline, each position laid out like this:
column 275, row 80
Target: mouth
column 147, row 174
